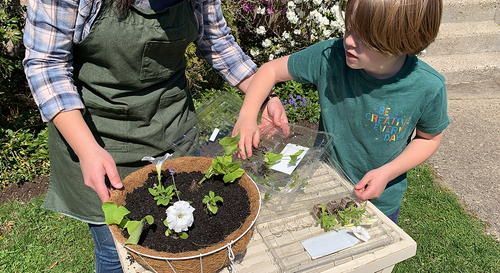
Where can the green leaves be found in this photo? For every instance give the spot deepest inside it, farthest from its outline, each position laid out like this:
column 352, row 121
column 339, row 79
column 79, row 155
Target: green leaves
column 211, row 201
column 163, row 196
column 328, row 222
column 271, row 158
column 229, row 144
column 224, row 165
column 294, row 157
column 115, row 215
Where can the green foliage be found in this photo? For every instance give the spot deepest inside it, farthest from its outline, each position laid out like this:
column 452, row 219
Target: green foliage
column 211, row 201
column 23, row 155
column 11, row 25
column 32, row 239
column 224, row 165
column 115, row 215
column 301, row 101
column 353, row 216
column 328, row 222
column 271, row 158
column 295, row 156
column 271, row 29
column 449, row 239
column 168, row 232
column 162, row 195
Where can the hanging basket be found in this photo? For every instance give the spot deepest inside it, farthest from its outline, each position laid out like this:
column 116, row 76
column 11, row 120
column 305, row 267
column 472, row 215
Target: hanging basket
column 205, row 260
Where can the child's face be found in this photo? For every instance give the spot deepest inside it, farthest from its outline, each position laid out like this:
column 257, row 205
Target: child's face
column 360, row 56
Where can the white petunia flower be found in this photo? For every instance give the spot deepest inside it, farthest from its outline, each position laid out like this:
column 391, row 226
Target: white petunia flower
column 361, row 233
column 158, row 162
column 261, row 10
column 180, row 216
column 296, row 32
column 271, row 57
column 261, row 30
column 286, row 35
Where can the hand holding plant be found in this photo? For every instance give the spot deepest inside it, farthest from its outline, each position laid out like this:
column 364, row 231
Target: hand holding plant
column 224, row 165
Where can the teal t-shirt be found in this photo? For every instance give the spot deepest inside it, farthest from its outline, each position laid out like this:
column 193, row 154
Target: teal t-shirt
column 373, row 119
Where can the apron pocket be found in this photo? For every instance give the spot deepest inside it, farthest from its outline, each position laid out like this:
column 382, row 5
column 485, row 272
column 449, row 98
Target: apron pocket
column 161, row 59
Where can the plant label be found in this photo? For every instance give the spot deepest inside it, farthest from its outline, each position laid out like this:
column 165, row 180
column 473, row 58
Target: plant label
column 328, row 243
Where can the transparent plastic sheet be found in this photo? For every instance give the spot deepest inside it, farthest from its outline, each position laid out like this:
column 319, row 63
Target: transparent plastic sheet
column 216, row 120
column 286, row 219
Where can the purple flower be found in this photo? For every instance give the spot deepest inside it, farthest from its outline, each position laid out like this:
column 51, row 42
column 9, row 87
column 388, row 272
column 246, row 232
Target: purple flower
column 284, row 106
column 270, row 11
column 291, row 96
column 248, row 7
column 171, row 170
column 299, row 97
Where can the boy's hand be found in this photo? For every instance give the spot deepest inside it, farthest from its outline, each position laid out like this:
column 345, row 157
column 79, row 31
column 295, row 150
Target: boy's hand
column 250, row 136
column 372, row 185
column 274, row 115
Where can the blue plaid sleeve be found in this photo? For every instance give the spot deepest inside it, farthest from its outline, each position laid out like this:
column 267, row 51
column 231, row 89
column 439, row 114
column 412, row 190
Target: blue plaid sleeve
column 48, row 37
column 219, row 47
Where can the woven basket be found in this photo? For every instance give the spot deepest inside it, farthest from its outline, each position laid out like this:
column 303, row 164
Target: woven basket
column 204, row 260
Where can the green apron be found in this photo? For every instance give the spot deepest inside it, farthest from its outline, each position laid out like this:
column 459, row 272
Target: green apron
column 130, row 73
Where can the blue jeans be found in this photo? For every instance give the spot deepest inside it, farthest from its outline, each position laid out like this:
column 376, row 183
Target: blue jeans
column 394, row 216
column 106, row 256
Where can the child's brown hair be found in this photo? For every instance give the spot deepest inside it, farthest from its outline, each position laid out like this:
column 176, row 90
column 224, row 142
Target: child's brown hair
column 394, row 27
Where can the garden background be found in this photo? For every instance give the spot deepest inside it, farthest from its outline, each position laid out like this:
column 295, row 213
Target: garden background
column 33, row 240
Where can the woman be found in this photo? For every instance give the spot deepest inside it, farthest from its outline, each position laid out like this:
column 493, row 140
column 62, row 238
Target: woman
column 109, row 77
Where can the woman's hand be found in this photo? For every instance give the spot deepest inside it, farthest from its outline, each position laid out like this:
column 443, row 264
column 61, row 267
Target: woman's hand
column 95, row 162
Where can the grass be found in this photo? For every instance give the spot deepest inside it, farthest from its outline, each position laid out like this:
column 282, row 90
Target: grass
column 36, row 240
column 448, row 239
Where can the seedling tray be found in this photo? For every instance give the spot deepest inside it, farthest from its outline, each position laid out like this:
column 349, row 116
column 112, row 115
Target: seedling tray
column 283, row 228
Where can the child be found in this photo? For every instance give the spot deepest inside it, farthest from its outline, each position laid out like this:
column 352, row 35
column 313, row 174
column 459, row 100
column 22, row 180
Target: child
column 374, row 93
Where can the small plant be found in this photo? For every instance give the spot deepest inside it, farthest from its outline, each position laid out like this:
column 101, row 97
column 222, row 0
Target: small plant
column 295, row 156
column 328, row 222
column 224, row 165
column 162, row 195
column 271, row 158
column 352, row 216
column 115, row 215
column 211, row 201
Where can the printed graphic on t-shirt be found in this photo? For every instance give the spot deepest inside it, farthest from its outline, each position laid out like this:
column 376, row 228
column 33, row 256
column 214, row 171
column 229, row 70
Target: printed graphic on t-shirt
column 386, row 123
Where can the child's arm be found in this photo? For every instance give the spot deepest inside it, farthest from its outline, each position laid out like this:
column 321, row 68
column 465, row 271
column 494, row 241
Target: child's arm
column 420, row 148
column 260, row 87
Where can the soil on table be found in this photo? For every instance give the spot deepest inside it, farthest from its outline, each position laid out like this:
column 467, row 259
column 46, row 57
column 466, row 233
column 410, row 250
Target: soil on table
column 207, row 229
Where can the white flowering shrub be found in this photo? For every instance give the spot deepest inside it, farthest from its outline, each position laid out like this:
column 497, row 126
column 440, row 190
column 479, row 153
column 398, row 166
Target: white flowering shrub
column 275, row 28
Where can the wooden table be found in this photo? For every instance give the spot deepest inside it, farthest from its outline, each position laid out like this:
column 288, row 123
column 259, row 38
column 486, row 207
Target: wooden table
column 275, row 243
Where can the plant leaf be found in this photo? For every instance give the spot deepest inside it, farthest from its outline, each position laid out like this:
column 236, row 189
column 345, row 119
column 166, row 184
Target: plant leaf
column 294, row 157
column 114, row 215
column 229, row 144
column 230, row 177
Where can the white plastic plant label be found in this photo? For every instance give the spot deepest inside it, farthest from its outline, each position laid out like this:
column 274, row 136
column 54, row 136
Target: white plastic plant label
column 214, row 134
column 328, row 243
column 283, row 165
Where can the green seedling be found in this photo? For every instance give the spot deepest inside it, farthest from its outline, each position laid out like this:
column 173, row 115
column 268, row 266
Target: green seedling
column 115, row 215
column 353, row 216
column 328, row 222
column 211, row 201
column 182, row 234
column 162, row 195
column 224, row 165
column 294, row 157
column 271, row 158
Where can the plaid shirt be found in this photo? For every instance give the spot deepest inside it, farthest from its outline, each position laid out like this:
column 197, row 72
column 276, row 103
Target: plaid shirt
column 52, row 27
